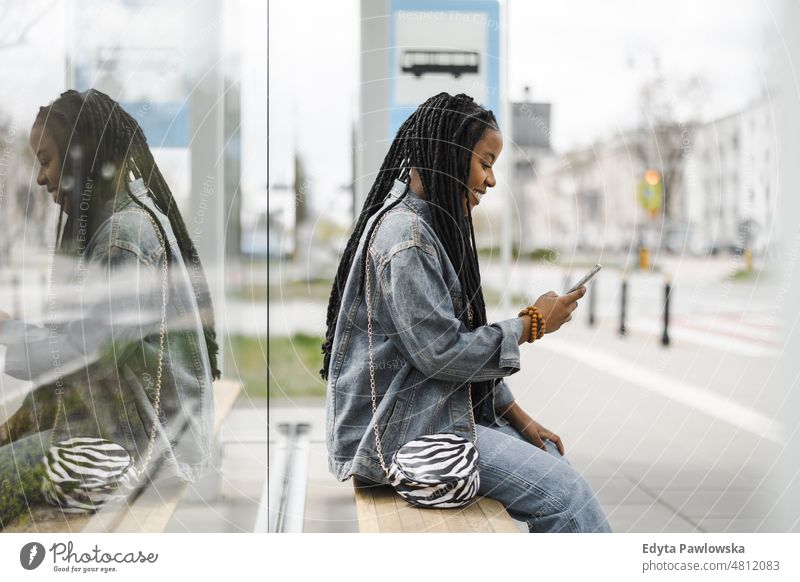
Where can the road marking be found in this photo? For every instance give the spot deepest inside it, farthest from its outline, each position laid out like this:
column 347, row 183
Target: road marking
column 726, row 342
column 696, row 397
column 745, row 330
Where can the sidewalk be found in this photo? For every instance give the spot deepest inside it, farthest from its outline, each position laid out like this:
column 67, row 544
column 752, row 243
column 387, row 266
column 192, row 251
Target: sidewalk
column 660, row 459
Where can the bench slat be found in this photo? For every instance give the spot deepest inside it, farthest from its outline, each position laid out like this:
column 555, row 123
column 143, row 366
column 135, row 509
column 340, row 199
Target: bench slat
column 366, row 510
column 387, row 513
column 435, row 520
column 152, row 510
column 411, row 518
column 380, row 509
column 470, row 519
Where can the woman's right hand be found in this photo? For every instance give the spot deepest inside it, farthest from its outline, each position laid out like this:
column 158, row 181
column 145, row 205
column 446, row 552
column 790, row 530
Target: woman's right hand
column 557, row 309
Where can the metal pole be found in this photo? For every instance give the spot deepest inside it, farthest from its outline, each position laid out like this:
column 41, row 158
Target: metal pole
column 622, row 310
column 667, row 291
column 506, row 213
column 372, row 129
column 205, row 219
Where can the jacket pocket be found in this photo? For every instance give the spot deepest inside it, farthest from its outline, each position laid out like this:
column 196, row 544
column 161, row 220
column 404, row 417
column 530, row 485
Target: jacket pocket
column 391, row 429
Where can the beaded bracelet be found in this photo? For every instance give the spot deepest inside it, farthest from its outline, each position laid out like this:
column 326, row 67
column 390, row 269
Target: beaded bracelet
column 537, row 322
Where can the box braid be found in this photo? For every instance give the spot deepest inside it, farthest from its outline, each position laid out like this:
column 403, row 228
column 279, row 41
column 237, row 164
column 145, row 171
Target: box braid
column 100, row 145
column 437, row 140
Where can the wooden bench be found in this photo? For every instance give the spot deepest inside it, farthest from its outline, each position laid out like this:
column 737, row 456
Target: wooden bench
column 150, row 511
column 381, row 510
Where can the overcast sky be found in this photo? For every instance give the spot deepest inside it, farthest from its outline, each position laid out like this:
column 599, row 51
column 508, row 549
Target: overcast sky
column 587, row 58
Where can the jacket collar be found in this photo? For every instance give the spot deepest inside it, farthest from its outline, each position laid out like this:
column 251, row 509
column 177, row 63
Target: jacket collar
column 136, row 188
column 412, row 200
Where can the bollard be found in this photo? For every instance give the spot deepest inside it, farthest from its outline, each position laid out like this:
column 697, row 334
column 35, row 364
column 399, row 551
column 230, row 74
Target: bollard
column 624, row 294
column 667, row 291
column 590, row 290
column 644, row 258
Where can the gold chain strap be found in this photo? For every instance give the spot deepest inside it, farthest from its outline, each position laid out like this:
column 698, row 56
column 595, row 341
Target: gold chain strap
column 469, row 390
column 159, row 372
column 367, row 292
column 378, row 447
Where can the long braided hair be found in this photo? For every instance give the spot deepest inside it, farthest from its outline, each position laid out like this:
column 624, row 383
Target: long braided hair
column 437, row 140
column 100, row 145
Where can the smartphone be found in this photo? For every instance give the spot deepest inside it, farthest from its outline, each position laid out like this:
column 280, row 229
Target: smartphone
column 586, row 278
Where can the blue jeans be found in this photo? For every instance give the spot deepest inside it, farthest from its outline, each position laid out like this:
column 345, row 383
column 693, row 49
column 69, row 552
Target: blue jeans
column 537, row 487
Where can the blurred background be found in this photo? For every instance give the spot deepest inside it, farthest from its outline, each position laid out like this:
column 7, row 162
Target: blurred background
column 641, row 136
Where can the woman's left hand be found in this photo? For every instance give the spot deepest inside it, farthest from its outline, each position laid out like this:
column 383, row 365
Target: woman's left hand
column 529, row 428
column 4, row 315
column 537, row 434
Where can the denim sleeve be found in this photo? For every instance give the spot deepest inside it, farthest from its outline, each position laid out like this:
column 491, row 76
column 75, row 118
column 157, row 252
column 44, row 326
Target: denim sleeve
column 502, row 395
column 427, row 330
column 115, row 307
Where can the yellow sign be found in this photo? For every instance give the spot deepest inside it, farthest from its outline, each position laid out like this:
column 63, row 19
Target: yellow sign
column 651, row 192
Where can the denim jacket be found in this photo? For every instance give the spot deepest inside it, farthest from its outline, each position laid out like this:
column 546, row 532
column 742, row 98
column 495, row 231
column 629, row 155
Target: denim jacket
column 100, row 348
column 424, row 355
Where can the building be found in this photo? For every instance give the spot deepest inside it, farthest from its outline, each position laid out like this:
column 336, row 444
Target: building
column 530, row 152
column 589, row 198
column 717, row 186
column 733, row 186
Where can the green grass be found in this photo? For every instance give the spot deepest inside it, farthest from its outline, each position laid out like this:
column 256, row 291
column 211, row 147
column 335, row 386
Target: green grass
column 247, row 360
column 313, row 290
column 743, row 275
column 543, row 255
column 495, row 253
column 248, row 293
column 294, row 366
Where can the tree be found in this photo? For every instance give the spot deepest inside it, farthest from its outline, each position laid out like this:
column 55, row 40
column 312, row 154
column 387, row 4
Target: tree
column 666, row 134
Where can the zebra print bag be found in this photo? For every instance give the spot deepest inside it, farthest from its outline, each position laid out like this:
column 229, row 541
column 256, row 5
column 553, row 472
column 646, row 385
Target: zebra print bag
column 84, row 473
column 438, row 470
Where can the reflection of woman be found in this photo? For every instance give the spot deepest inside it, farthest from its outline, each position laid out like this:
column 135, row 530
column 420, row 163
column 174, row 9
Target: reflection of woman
column 123, row 369
column 430, row 337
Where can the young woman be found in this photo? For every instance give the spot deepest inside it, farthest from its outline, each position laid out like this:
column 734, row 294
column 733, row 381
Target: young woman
column 123, row 369
column 434, row 351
